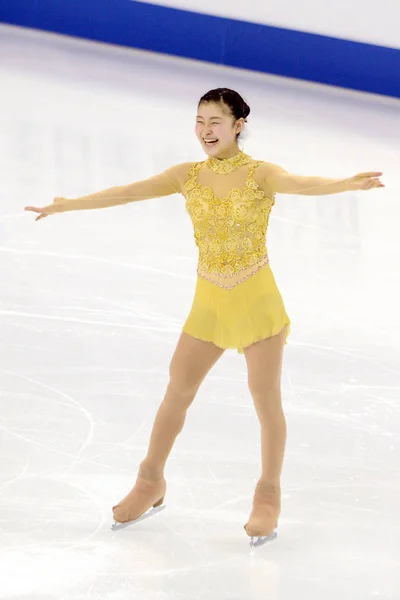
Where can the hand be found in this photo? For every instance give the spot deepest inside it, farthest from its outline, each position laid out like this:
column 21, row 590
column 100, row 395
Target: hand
column 47, row 210
column 366, row 181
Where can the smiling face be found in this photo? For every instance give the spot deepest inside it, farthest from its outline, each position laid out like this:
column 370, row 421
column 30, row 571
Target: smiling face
column 217, row 129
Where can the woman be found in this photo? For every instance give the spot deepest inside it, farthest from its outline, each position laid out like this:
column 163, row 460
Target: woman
column 236, row 305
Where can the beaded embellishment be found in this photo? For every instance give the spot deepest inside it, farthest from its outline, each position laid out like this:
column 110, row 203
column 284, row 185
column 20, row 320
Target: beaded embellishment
column 227, row 165
column 230, row 232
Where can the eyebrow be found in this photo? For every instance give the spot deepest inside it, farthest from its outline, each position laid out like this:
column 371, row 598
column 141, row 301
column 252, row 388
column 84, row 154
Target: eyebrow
column 199, row 117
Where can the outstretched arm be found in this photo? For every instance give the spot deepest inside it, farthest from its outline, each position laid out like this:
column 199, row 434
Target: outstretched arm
column 166, row 183
column 282, row 182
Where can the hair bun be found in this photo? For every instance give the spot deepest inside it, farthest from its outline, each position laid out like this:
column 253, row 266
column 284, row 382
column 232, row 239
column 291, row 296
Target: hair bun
column 246, row 110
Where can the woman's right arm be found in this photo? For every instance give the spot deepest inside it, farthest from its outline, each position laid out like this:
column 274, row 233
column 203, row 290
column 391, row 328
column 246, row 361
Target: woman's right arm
column 166, row 183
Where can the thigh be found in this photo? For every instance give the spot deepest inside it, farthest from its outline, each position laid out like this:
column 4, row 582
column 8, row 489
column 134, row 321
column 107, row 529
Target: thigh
column 264, row 364
column 191, row 362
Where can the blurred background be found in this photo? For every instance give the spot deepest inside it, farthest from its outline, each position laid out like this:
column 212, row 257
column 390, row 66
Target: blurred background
column 350, row 44
column 101, row 93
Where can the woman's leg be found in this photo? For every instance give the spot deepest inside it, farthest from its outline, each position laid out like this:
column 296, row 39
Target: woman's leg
column 264, row 367
column 190, row 363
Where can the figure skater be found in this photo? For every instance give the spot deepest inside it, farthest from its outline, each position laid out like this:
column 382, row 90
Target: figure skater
column 236, row 304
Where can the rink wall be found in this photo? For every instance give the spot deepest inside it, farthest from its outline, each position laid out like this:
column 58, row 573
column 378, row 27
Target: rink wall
column 219, row 39
column 356, row 20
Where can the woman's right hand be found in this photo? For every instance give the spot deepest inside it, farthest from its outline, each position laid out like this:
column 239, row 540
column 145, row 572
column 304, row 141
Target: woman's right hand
column 44, row 212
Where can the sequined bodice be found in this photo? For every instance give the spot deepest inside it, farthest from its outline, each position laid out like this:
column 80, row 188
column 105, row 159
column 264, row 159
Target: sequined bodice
column 230, row 230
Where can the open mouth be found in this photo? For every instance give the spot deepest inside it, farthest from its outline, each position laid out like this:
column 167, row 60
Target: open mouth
column 211, row 142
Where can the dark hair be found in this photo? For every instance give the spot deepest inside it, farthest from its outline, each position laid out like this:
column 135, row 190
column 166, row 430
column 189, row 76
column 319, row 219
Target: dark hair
column 234, row 101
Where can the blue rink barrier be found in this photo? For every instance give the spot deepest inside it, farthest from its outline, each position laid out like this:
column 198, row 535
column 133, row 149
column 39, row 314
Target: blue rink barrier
column 230, row 42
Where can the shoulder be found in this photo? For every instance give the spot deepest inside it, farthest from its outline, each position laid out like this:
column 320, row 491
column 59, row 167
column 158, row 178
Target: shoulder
column 181, row 170
column 184, row 173
column 267, row 170
column 267, row 175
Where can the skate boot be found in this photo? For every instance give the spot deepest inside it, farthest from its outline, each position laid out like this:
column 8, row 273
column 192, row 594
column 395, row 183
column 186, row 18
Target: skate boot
column 144, row 495
column 263, row 520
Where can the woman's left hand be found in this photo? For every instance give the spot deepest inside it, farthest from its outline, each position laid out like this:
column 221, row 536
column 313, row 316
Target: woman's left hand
column 366, row 181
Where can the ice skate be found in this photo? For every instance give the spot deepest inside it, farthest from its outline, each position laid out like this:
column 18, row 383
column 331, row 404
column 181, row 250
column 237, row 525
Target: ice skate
column 263, row 521
column 144, row 500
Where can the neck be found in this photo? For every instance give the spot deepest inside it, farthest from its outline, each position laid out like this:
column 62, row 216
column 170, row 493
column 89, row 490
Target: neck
column 226, row 165
column 228, row 153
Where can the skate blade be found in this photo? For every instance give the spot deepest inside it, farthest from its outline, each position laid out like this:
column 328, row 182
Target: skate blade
column 256, row 542
column 150, row 513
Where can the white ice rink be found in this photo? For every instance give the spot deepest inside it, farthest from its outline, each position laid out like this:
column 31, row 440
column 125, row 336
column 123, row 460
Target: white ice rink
column 91, row 306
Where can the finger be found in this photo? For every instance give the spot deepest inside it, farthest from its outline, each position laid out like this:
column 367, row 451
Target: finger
column 371, row 174
column 33, row 209
column 375, row 183
column 368, row 185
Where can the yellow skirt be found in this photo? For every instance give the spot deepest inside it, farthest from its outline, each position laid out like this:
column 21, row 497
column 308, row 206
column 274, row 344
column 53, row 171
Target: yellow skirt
column 236, row 318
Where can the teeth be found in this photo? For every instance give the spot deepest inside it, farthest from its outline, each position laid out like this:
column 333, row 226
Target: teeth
column 210, row 141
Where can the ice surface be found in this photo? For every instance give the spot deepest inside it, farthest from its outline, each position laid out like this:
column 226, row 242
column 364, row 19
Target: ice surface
column 91, row 306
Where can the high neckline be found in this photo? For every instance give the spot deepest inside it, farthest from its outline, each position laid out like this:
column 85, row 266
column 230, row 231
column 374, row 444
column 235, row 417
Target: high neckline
column 227, row 165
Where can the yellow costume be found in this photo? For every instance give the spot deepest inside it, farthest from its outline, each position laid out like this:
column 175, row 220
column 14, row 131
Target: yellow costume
column 237, row 301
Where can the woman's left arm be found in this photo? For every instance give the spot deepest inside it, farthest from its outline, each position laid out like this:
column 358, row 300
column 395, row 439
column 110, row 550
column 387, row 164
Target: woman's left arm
column 282, row 182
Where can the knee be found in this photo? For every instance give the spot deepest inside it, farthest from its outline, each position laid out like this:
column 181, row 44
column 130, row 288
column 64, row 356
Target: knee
column 266, row 394
column 180, row 392
column 264, row 388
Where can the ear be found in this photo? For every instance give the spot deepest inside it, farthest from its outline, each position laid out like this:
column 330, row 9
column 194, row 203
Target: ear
column 239, row 125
